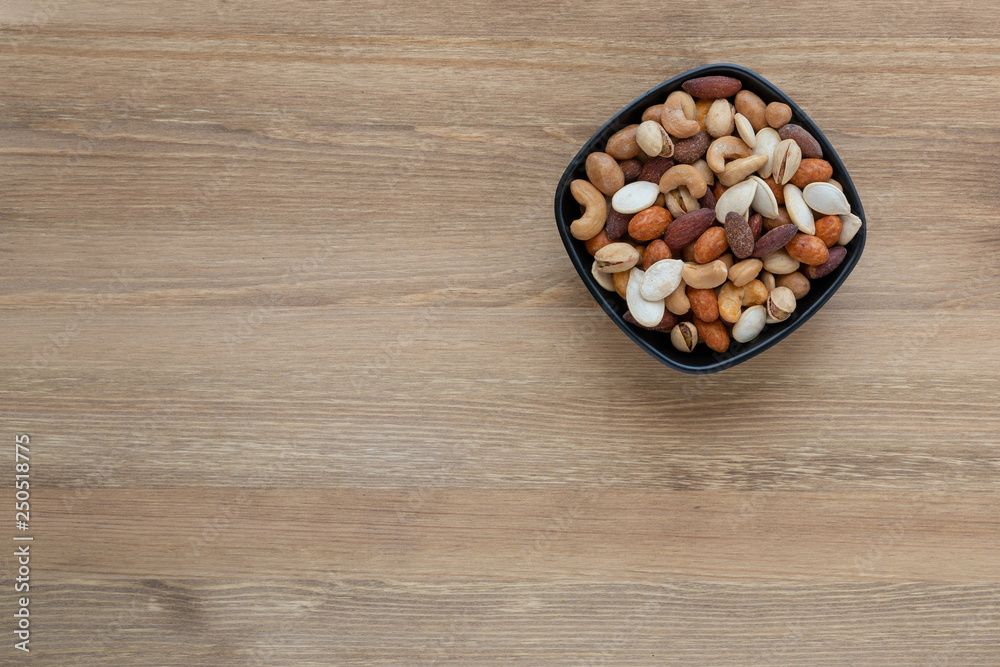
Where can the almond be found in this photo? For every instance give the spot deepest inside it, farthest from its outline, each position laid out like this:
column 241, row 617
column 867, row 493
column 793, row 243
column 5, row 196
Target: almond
column 654, row 169
column 837, row 255
column 712, row 87
column 649, row 223
column 710, row 245
column 688, row 227
column 800, row 135
column 631, row 169
column 666, row 324
column 687, row 151
column 808, row 249
column 738, row 234
column 617, row 224
column 774, row 240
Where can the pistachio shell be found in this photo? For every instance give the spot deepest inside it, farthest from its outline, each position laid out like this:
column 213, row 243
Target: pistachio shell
column 798, row 210
column 826, row 199
column 603, row 279
column 764, row 201
column 851, row 224
column 647, row 313
column 750, row 324
column 765, row 143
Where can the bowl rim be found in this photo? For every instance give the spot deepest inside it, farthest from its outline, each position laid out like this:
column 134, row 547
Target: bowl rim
column 623, row 118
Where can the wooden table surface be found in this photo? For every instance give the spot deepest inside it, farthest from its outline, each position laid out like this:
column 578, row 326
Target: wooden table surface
column 309, row 379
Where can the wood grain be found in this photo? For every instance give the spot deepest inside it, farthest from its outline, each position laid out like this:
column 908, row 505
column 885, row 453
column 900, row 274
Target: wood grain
column 310, row 380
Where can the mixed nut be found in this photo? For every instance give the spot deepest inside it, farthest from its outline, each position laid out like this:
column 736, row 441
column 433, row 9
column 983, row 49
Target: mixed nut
column 711, row 216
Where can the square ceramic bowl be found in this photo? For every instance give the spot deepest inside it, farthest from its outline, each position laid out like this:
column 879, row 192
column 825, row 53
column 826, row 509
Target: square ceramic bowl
column 657, row 344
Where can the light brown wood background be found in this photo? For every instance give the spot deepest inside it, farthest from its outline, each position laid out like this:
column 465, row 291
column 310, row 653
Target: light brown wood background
column 310, row 380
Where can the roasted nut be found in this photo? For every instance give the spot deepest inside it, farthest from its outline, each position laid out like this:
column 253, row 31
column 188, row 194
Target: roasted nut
column 622, row 144
column 777, row 114
column 728, row 260
column 807, row 143
column 712, row 87
column 654, row 112
column 617, row 224
column 737, row 198
column 679, row 115
column 661, row 279
column 828, row 229
column 807, row 249
column 774, row 240
column 621, row 282
column 702, row 106
column 680, row 201
column 719, row 121
column 704, row 304
column 754, row 293
column 738, row 170
column 753, row 108
column 730, row 302
column 794, row 281
column 826, row 199
column 647, row 313
column 649, row 223
column 653, row 139
column 852, row 225
column 634, row 197
column 684, row 336
column 767, row 142
column 666, row 324
column 780, row 304
column 605, row 280
column 811, row 171
column 767, row 278
column 743, row 272
column 713, row 334
column 705, row 276
column 776, row 190
column 835, row 183
column 799, row 212
column 787, row 158
column 686, row 151
column 780, row 262
column 604, row 173
column 655, row 168
column 631, row 169
column 677, row 302
column 616, row 257
column 656, row 250
column 598, row 242
column 756, row 225
column 738, row 235
column 686, row 175
column 595, row 211
column 687, row 254
column 837, row 255
column 750, row 325
column 725, row 148
column 710, row 245
column 687, row 228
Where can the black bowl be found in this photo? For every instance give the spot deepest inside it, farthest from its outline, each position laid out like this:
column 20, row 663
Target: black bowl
column 657, row 344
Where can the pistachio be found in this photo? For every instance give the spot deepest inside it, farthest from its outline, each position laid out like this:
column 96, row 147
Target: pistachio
column 635, row 196
column 661, row 279
column 736, row 198
column 745, row 129
column 654, row 140
column 766, row 141
column 605, row 280
column 851, row 224
column 826, row 199
column 680, row 201
column 798, row 210
column 764, row 201
column 780, row 304
column 684, row 336
column 750, row 324
column 616, row 257
column 706, row 276
column 646, row 313
column 787, row 158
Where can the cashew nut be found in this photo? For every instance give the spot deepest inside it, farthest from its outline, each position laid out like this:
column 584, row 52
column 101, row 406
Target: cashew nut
column 705, row 276
column 739, row 169
column 725, row 148
column 679, row 113
column 595, row 213
column 684, row 174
